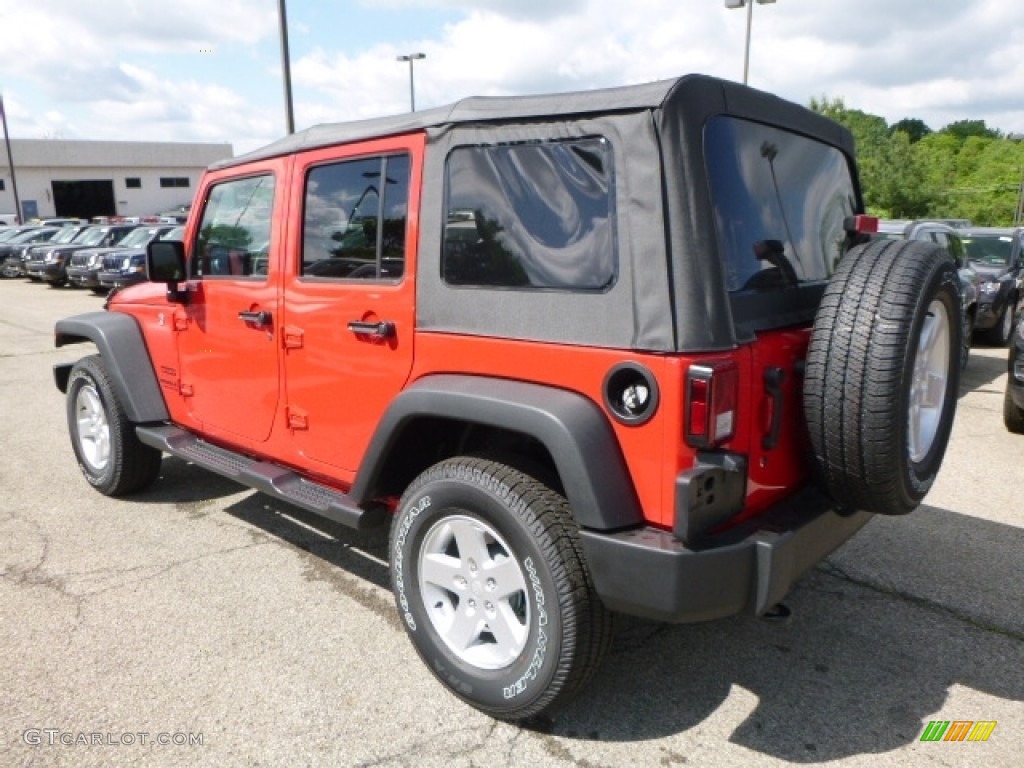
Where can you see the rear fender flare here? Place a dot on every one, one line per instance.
(573, 429)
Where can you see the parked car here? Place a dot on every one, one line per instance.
(949, 238)
(64, 236)
(997, 254)
(50, 265)
(1013, 401)
(123, 268)
(12, 249)
(85, 266)
(661, 370)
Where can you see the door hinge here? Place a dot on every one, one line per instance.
(181, 322)
(297, 419)
(292, 337)
(186, 390)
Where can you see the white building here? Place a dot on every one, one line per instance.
(83, 179)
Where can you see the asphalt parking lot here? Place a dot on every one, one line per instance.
(245, 633)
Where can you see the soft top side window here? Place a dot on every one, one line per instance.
(779, 200)
(234, 235)
(536, 215)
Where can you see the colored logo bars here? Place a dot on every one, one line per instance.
(958, 730)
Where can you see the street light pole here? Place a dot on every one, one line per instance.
(750, 21)
(411, 57)
(19, 218)
(286, 67)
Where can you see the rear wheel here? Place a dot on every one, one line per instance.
(492, 588)
(882, 374)
(109, 453)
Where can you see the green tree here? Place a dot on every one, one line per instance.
(892, 178)
(965, 129)
(913, 127)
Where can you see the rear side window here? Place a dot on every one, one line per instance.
(355, 219)
(234, 236)
(530, 216)
(779, 202)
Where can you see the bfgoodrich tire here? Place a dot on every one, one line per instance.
(492, 588)
(109, 453)
(882, 374)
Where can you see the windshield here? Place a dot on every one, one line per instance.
(139, 236)
(92, 236)
(989, 249)
(66, 235)
(7, 234)
(178, 233)
(31, 236)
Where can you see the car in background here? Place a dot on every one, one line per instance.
(63, 236)
(125, 267)
(997, 254)
(949, 238)
(11, 250)
(50, 265)
(85, 266)
(1013, 402)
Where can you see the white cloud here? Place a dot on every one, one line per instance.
(940, 60)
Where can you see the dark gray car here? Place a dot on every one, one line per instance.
(997, 254)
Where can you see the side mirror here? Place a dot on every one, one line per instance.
(165, 263)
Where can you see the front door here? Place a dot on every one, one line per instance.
(228, 343)
(349, 296)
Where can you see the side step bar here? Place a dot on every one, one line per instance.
(268, 478)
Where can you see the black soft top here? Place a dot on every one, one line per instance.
(690, 93)
(670, 289)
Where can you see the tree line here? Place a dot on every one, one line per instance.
(964, 170)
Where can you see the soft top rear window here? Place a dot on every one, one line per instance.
(779, 200)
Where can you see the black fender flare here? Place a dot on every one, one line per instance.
(573, 429)
(119, 340)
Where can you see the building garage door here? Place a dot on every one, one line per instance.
(84, 199)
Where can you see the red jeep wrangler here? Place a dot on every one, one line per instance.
(620, 351)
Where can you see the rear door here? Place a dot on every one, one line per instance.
(349, 294)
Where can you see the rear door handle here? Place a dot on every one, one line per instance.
(262, 317)
(384, 329)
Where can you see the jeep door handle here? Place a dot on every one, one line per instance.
(384, 329)
(256, 318)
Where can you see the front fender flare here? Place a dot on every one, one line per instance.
(119, 340)
(575, 431)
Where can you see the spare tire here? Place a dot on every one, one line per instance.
(882, 374)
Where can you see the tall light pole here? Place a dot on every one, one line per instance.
(411, 57)
(750, 19)
(286, 67)
(19, 218)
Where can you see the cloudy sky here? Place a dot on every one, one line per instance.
(210, 70)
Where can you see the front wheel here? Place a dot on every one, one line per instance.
(1001, 333)
(110, 455)
(1013, 414)
(492, 588)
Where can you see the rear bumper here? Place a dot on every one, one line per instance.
(650, 573)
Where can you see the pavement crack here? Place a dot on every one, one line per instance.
(888, 590)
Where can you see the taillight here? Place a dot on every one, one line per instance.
(861, 224)
(711, 397)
